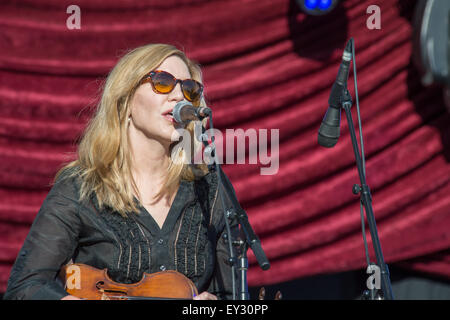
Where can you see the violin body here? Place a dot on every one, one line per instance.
(90, 283)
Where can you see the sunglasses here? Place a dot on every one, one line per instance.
(164, 82)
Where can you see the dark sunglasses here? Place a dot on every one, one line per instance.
(164, 82)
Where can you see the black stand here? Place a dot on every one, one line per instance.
(366, 200)
(242, 268)
(236, 212)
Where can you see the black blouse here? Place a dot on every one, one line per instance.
(192, 241)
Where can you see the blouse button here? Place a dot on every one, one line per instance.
(162, 268)
(160, 241)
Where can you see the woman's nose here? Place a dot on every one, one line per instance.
(177, 93)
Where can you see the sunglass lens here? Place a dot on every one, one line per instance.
(163, 82)
(191, 90)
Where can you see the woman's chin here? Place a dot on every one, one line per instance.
(171, 135)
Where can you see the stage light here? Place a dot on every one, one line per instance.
(317, 7)
(311, 4)
(324, 4)
(431, 43)
(431, 39)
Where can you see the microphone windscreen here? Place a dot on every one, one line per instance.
(329, 130)
(177, 110)
(327, 141)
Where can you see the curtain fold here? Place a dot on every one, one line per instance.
(266, 65)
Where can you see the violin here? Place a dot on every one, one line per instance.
(86, 282)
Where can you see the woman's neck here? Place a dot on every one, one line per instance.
(150, 157)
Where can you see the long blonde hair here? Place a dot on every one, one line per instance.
(103, 157)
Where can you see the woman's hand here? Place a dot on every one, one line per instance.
(205, 296)
(69, 297)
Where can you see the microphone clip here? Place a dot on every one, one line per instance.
(346, 99)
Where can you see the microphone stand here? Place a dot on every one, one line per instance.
(366, 199)
(236, 212)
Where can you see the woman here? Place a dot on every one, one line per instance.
(128, 203)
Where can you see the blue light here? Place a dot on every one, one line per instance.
(311, 4)
(324, 4)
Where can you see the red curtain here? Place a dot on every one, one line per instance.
(268, 66)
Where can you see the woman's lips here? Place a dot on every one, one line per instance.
(168, 116)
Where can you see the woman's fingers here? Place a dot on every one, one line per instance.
(205, 296)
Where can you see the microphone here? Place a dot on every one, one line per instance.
(184, 112)
(329, 130)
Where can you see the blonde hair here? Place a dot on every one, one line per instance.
(104, 157)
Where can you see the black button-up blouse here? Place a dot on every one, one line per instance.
(192, 241)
